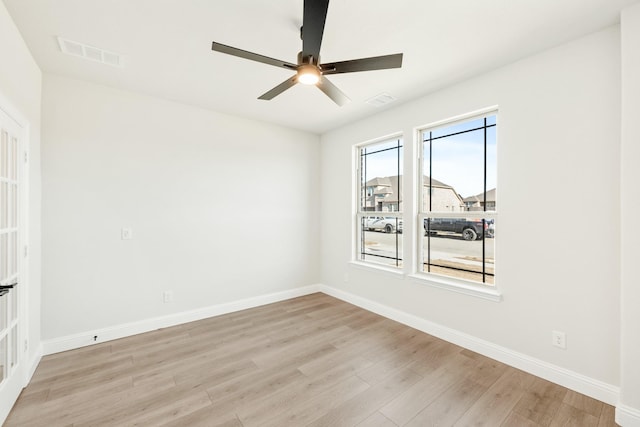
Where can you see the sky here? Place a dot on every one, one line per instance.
(457, 160)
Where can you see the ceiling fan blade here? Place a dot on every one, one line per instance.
(333, 92)
(279, 89)
(364, 64)
(315, 15)
(219, 47)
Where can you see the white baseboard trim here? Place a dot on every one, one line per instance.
(591, 387)
(11, 395)
(607, 393)
(627, 416)
(83, 339)
(33, 365)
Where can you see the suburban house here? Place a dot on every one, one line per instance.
(443, 198)
(477, 202)
(382, 195)
(179, 238)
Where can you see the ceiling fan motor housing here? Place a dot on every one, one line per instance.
(307, 60)
(308, 69)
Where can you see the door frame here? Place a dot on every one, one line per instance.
(12, 387)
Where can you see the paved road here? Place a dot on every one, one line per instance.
(449, 248)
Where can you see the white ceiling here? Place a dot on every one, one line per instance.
(166, 46)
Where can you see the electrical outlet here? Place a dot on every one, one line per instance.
(559, 339)
(167, 296)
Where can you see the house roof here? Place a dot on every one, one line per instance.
(435, 183)
(379, 182)
(491, 197)
(391, 182)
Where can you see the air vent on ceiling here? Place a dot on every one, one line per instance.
(380, 100)
(90, 52)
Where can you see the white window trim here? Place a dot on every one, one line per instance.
(467, 287)
(358, 214)
(370, 266)
(457, 285)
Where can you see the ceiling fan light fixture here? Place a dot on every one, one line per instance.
(309, 70)
(308, 74)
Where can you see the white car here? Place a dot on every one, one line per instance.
(383, 223)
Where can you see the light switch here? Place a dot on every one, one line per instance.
(127, 234)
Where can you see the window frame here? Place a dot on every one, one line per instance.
(466, 286)
(360, 214)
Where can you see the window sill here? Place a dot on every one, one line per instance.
(477, 291)
(397, 273)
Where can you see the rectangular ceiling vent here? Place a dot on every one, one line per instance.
(90, 52)
(380, 100)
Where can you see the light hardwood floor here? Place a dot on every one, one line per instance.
(313, 360)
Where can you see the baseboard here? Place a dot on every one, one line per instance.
(607, 393)
(33, 364)
(582, 384)
(627, 416)
(83, 339)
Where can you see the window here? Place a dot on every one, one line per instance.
(379, 209)
(457, 200)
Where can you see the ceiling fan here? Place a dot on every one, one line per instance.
(308, 70)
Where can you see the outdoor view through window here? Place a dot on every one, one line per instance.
(380, 203)
(458, 200)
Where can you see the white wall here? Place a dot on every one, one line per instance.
(630, 195)
(20, 86)
(221, 208)
(557, 263)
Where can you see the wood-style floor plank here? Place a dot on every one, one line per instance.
(308, 361)
(357, 409)
(541, 402)
(377, 420)
(494, 406)
(450, 405)
(312, 407)
(412, 400)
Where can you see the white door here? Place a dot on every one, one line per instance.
(11, 292)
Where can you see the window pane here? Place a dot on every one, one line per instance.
(4, 154)
(3, 358)
(4, 256)
(12, 301)
(380, 186)
(13, 203)
(492, 160)
(4, 204)
(14, 159)
(4, 306)
(14, 346)
(460, 247)
(381, 240)
(381, 177)
(458, 127)
(454, 167)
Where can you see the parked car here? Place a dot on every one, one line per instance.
(491, 231)
(383, 223)
(469, 229)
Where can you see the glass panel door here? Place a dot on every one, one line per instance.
(11, 379)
